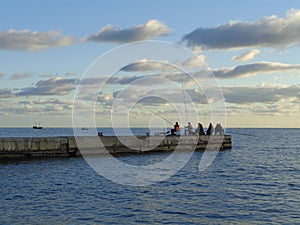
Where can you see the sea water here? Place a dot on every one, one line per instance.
(257, 182)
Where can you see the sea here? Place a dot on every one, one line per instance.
(256, 182)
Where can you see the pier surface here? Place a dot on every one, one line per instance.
(42, 147)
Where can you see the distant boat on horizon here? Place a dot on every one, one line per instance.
(35, 126)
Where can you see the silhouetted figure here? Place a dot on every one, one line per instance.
(189, 129)
(210, 130)
(200, 130)
(176, 129)
(219, 130)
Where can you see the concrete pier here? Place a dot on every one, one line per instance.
(42, 147)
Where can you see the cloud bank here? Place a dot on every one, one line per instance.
(262, 94)
(6, 93)
(53, 86)
(110, 33)
(253, 69)
(270, 31)
(32, 40)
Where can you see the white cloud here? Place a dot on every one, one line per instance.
(246, 56)
(197, 61)
(270, 31)
(32, 40)
(110, 33)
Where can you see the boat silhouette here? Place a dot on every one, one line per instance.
(35, 126)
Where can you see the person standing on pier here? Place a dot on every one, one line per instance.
(189, 129)
(210, 129)
(200, 130)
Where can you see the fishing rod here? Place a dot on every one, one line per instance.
(160, 116)
(183, 92)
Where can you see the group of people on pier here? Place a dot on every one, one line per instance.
(188, 130)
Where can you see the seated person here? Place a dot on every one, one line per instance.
(175, 131)
(219, 130)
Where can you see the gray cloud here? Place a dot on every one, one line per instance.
(147, 65)
(151, 29)
(264, 100)
(248, 95)
(53, 86)
(263, 94)
(1, 75)
(20, 108)
(20, 76)
(253, 69)
(6, 93)
(73, 74)
(271, 31)
(52, 101)
(32, 40)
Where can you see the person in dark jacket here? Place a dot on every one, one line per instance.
(200, 130)
(176, 129)
(210, 130)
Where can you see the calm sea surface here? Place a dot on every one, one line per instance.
(257, 182)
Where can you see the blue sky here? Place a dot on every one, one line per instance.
(251, 46)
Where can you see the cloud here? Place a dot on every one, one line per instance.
(270, 31)
(246, 56)
(71, 74)
(53, 86)
(147, 65)
(6, 93)
(158, 97)
(261, 94)
(33, 40)
(1, 75)
(253, 69)
(110, 33)
(20, 76)
(264, 94)
(52, 101)
(26, 108)
(194, 61)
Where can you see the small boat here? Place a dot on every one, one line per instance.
(84, 128)
(35, 126)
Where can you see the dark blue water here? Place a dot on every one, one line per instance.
(257, 182)
(57, 132)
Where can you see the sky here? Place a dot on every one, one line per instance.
(252, 48)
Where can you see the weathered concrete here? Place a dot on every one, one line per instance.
(68, 146)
